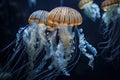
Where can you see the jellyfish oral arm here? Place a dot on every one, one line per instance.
(84, 45)
(60, 61)
(52, 39)
(62, 54)
(66, 36)
(91, 48)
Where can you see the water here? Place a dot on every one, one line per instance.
(12, 17)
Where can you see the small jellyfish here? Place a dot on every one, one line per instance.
(90, 9)
(111, 29)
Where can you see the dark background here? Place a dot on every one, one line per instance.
(15, 13)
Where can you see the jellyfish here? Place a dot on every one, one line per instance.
(90, 9)
(110, 29)
(66, 18)
(37, 44)
(31, 40)
(34, 36)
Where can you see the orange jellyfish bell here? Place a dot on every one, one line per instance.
(82, 3)
(108, 3)
(65, 16)
(40, 17)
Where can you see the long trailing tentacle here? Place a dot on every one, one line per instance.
(11, 66)
(113, 40)
(19, 45)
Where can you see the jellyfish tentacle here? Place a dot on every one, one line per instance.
(20, 57)
(17, 48)
(49, 75)
(9, 45)
(37, 69)
(113, 56)
(17, 51)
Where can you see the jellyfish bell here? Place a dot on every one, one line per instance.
(69, 16)
(38, 17)
(83, 3)
(91, 9)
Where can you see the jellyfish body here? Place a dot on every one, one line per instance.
(111, 30)
(90, 9)
(65, 18)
